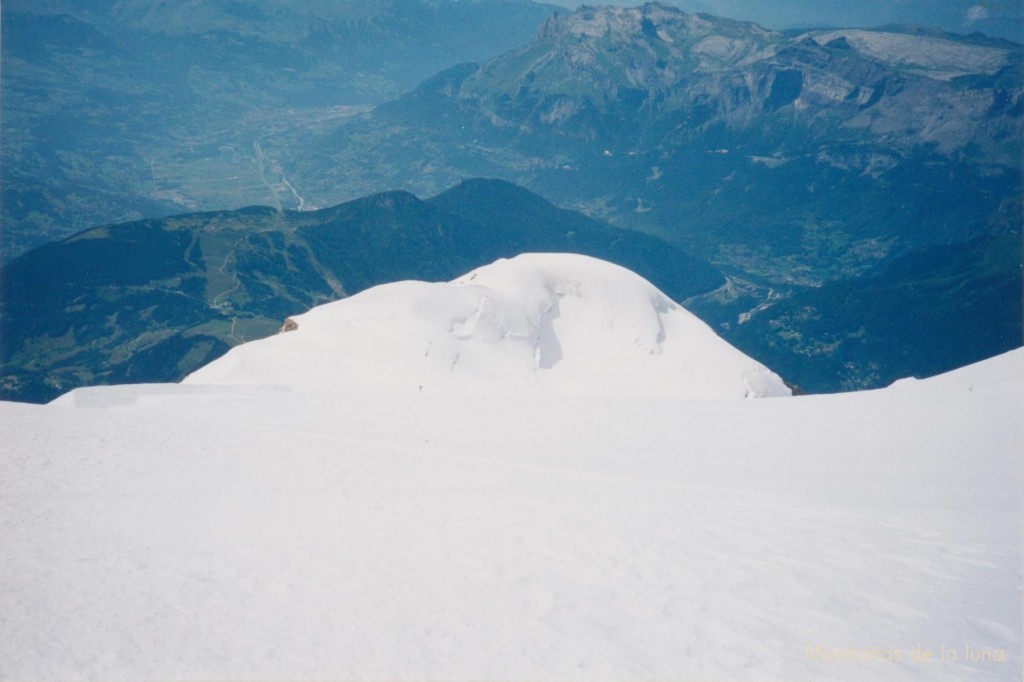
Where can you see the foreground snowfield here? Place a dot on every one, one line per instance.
(280, 532)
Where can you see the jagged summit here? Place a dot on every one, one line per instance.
(604, 50)
(558, 323)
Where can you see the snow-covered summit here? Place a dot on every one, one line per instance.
(559, 323)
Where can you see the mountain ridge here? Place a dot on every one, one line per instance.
(152, 300)
(721, 135)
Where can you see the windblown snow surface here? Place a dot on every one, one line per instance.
(551, 323)
(259, 523)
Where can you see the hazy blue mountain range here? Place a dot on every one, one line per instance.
(790, 161)
(154, 300)
(839, 179)
(119, 110)
(997, 18)
(796, 159)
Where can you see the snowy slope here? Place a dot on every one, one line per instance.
(922, 55)
(557, 323)
(291, 531)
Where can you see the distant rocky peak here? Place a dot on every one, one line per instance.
(703, 41)
(617, 22)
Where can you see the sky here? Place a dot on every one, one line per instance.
(1001, 18)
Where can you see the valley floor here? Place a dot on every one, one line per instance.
(189, 532)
